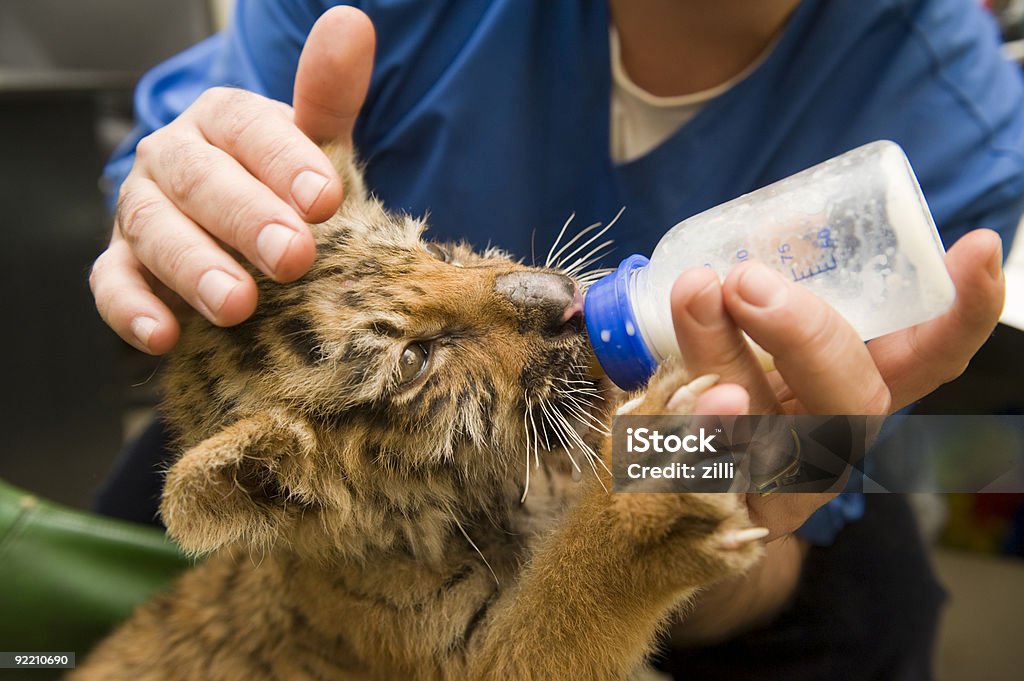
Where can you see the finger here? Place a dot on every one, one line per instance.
(212, 189)
(784, 513)
(183, 256)
(262, 136)
(333, 75)
(711, 343)
(916, 361)
(717, 405)
(127, 304)
(816, 351)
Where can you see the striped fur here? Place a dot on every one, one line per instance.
(362, 527)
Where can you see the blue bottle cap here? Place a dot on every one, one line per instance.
(613, 329)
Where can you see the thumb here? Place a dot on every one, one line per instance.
(334, 74)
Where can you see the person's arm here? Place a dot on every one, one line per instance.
(744, 602)
(235, 167)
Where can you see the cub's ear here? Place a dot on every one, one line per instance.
(361, 215)
(345, 161)
(232, 487)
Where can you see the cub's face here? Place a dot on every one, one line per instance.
(404, 356)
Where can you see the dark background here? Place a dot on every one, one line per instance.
(67, 68)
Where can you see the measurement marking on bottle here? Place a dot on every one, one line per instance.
(816, 269)
(825, 238)
(784, 256)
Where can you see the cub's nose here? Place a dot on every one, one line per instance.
(546, 302)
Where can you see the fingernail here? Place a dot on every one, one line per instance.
(762, 287)
(995, 263)
(706, 305)
(214, 288)
(306, 188)
(272, 243)
(142, 329)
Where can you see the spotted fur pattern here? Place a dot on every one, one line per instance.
(367, 522)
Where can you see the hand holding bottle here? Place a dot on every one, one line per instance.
(822, 365)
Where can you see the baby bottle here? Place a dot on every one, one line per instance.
(855, 230)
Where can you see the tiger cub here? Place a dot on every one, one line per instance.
(397, 471)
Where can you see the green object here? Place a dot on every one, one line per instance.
(67, 577)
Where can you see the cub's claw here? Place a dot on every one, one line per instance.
(730, 540)
(628, 407)
(684, 400)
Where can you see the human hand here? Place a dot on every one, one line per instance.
(822, 366)
(235, 171)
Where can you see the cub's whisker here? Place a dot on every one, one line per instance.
(588, 452)
(526, 484)
(473, 544)
(558, 258)
(588, 259)
(561, 261)
(587, 419)
(550, 258)
(565, 445)
(536, 438)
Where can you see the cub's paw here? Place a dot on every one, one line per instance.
(735, 544)
(693, 539)
(669, 392)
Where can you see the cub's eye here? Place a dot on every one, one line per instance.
(414, 359)
(438, 252)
